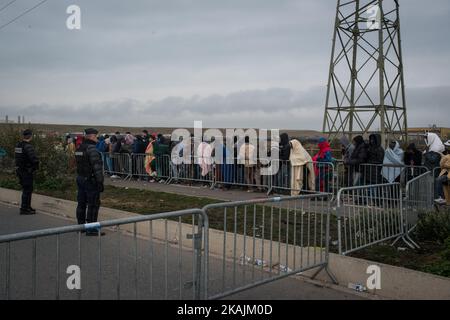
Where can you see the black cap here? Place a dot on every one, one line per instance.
(27, 133)
(90, 131)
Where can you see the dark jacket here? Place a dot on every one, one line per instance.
(89, 162)
(375, 157)
(432, 160)
(413, 157)
(285, 147)
(139, 146)
(26, 158)
(359, 155)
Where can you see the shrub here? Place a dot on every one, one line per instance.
(434, 227)
(53, 158)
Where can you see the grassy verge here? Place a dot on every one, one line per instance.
(431, 258)
(132, 200)
(304, 226)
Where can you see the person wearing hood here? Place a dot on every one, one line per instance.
(358, 157)
(284, 171)
(322, 166)
(347, 148)
(375, 158)
(444, 177)
(393, 163)
(204, 155)
(300, 160)
(413, 158)
(433, 154)
(347, 151)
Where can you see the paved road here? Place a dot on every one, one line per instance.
(148, 277)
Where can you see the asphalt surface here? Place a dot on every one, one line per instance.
(158, 271)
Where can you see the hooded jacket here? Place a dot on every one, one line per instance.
(347, 149)
(413, 157)
(359, 155)
(393, 157)
(299, 156)
(285, 147)
(434, 143)
(375, 158)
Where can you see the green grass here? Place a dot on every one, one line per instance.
(132, 200)
(432, 257)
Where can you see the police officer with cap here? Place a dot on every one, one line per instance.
(27, 163)
(89, 180)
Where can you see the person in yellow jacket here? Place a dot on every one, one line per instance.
(444, 176)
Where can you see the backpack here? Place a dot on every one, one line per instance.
(102, 146)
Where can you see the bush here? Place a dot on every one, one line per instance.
(434, 227)
(50, 150)
(442, 267)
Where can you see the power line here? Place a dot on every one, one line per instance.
(22, 14)
(7, 5)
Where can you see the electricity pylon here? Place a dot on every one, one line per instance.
(366, 91)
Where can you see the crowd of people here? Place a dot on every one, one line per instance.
(367, 163)
(364, 162)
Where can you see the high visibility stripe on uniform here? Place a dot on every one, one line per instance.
(18, 150)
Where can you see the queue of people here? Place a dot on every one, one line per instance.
(365, 162)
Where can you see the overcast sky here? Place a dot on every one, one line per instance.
(233, 63)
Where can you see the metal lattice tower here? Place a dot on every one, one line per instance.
(366, 91)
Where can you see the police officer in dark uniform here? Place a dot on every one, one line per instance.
(89, 180)
(27, 163)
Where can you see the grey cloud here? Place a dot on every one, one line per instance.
(236, 62)
(272, 108)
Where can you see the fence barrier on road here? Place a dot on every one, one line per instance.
(419, 200)
(368, 215)
(372, 174)
(160, 167)
(130, 269)
(118, 164)
(239, 174)
(265, 240)
(197, 170)
(230, 247)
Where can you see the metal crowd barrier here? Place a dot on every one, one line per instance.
(265, 240)
(161, 167)
(323, 182)
(371, 174)
(118, 164)
(148, 258)
(368, 215)
(193, 172)
(237, 174)
(419, 200)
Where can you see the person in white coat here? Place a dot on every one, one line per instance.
(393, 162)
(299, 159)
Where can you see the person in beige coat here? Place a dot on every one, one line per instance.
(300, 158)
(444, 176)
